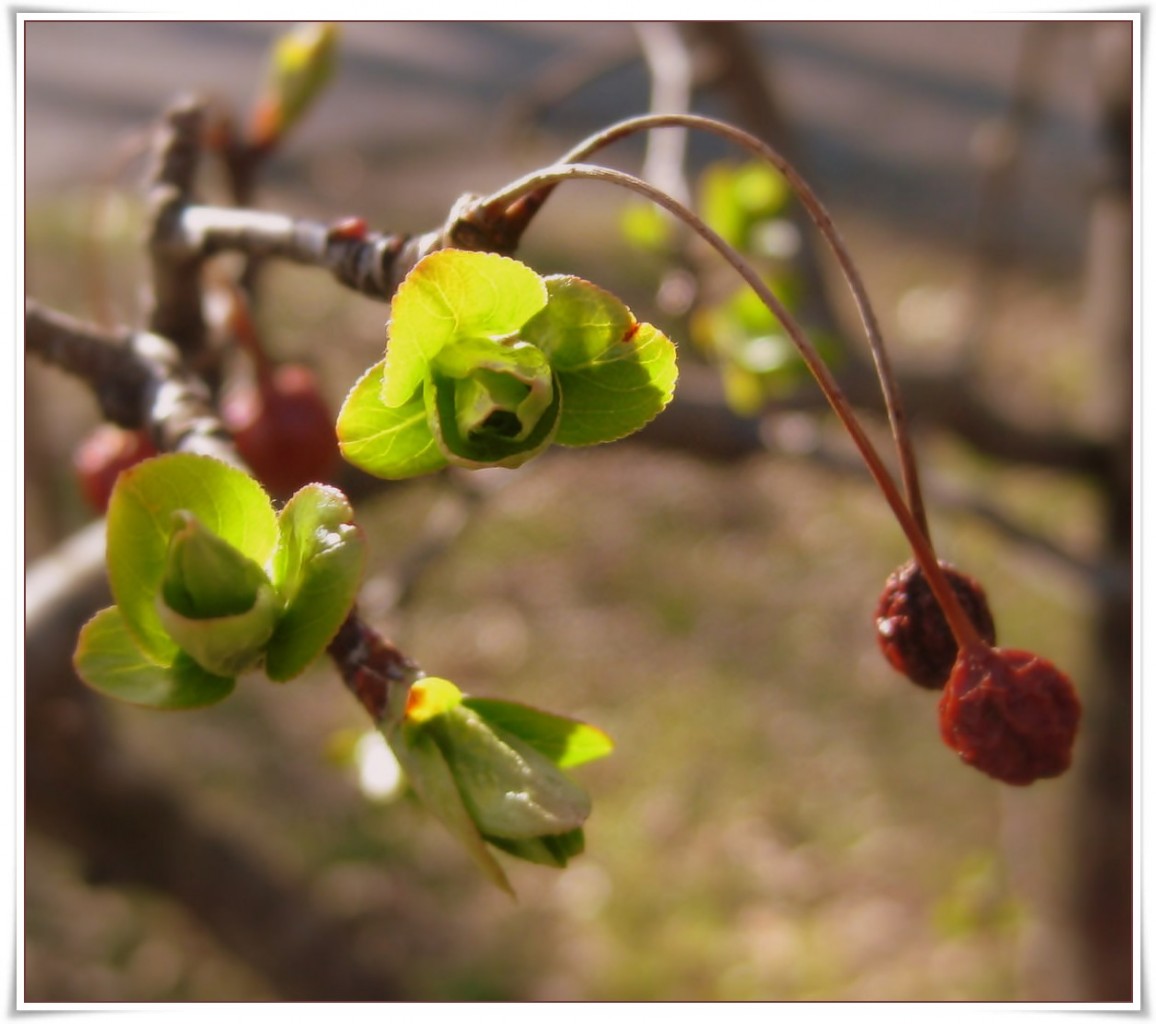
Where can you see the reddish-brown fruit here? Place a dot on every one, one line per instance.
(103, 455)
(284, 430)
(912, 630)
(1011, 714)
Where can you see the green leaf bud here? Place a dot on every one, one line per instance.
(205, 577)
(217, 604)
(492, 402)
(301, 64)
(490, 771)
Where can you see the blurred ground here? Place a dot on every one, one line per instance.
(780, 820)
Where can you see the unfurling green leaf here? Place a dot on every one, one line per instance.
(216, 604)
(490, 771)
(453, 296)
(488, 364)
(317, 568)
(224, 500)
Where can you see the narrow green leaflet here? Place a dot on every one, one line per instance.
(565, 741)
(425, 766)
(453, 294)
(393, 443)
(224, 500)
(317, 568)
(552, 851)
(109, 660)
(511, 789)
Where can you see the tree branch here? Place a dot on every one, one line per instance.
(139, 380)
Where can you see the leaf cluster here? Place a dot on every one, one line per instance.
(209, 581)
(488, 363)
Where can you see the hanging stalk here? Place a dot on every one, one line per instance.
(826, 227)
(965, 633)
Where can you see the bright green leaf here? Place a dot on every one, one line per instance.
(453, 294)
(620, 391)
(317, 569)
(393, 443)
(565, 741)
(225, 500)
(580, 323)
(109, 660)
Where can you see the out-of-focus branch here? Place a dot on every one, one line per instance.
(1000, 145)
(1100, 892)
(671, 87)
(176, 289)
(562, 78)
(139, 380)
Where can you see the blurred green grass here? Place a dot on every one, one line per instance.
(780, 820)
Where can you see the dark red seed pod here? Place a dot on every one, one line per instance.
(284, 430)
(103, 456)
(912, 630)
(1011, 714)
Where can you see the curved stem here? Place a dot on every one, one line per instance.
(965, 633)
(826, 227)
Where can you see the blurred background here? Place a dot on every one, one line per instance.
(780, 820)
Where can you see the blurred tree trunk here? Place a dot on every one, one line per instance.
(1102, 897)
